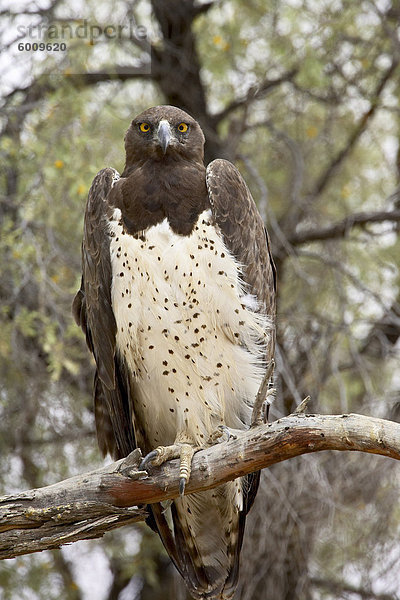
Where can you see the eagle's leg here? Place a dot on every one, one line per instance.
(261, 403)
(182, 450)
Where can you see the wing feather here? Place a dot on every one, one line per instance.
(93, 311)
(235, 213)
(242, 227)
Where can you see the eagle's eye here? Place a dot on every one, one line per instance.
(144, 127)
(182, 127)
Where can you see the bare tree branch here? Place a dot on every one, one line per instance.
(338, 159)
(341, 587)
(86, 506)
(254, 93)
(342, 228)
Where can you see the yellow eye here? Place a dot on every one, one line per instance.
(144, 127)
(182, 127)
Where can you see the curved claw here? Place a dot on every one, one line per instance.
(147, 460)
(225, 431)
(182, 485)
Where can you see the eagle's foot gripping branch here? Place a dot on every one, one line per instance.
(160, 455)
(221, 434)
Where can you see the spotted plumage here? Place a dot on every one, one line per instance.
(177, 303)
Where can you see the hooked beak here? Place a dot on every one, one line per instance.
(164, 135)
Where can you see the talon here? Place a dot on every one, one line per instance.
(225, 431)
(162, 454)
(182, 485)
(148, 459)
(222, 431)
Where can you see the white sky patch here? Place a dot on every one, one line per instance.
(90, 567)
(90, 564)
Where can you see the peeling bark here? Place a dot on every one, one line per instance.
(89, 505)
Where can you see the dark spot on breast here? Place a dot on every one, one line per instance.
(151, 347)
(170, 351)
(172, 410)
(219, 365)
(176, 338)
(130, 305)
(121, 274)
(165, 372)
(187, 356)
(165, 363)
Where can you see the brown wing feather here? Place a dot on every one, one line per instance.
(93, 312)
(236, 214)
(245, 235)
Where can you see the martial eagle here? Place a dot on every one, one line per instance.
(177, 302)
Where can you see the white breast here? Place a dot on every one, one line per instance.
(187, 330)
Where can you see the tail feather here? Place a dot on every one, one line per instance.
(207, 536)
(206, 539)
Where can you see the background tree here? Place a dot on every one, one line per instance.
(303, 96)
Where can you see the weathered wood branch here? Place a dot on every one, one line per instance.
(343, 227)
(88, 505)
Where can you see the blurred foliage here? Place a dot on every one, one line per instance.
(318, 145)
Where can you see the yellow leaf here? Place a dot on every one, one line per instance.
(312, 131)
(345, 191)
(58, 164)
(81, 189)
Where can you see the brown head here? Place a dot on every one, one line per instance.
(164, 133)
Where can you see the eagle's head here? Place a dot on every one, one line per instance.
(162, 133)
